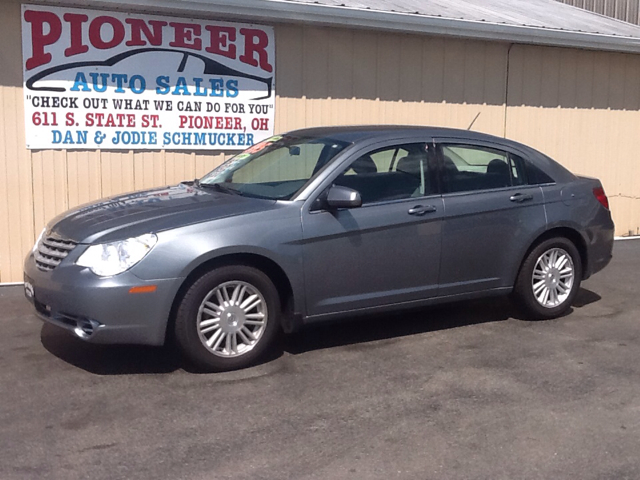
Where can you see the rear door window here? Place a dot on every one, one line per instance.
(473, 167)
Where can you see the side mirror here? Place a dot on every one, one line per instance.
(343, 197)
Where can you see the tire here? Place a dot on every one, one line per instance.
(562, 286)
(232, 302)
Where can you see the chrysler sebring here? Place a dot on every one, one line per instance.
(320, 224)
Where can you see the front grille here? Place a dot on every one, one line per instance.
(51, 251)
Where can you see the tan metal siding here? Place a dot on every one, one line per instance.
(16, 199)
(84, 176)
(582, 108)
(333, 77)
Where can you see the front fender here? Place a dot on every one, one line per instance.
(275, 235)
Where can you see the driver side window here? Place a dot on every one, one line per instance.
(390, 173)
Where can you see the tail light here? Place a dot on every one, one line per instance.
(601, 197)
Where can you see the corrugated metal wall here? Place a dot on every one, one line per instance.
(16, 186)
(583, 109)
(626, 10)
(334, 76)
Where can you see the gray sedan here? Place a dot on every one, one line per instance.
(319, 224)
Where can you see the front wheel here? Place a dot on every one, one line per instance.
(549, 278)
(228, 318)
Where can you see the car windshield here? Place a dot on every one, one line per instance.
(276, 168)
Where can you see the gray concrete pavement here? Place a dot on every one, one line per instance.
(456, 392)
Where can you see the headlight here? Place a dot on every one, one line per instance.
(35, 247)
(110, 259)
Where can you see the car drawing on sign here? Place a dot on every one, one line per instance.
(156, 61)
(315, 225)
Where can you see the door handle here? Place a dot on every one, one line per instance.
(421, 210)
(520, 197)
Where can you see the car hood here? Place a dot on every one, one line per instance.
(134, 214)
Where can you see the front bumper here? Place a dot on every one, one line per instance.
(100, 310)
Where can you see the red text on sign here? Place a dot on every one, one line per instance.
(249, 45)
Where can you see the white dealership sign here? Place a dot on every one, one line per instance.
(112, 80)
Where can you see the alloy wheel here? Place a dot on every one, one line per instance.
(553, 277)
(232, 319)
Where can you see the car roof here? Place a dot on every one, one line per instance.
(355, 133)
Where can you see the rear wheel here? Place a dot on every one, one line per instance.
(228, 319)
(549, 278)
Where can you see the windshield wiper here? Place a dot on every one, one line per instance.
(219, 188)
(195, 182)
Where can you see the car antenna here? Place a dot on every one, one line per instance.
(473, 121)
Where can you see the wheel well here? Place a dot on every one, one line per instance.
(569, 234)
(264, 264)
